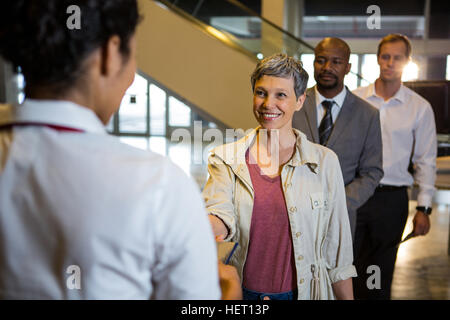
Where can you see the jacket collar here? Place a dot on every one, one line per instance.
(233, 154)
(343, 119)
(338, 99)
(311, 113)
(341, 122)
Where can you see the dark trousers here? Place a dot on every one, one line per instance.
(379, 227)
(255, 295)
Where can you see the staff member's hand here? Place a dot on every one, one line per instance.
(421, 224)
(229, 282)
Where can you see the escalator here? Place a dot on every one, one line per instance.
(208, 59)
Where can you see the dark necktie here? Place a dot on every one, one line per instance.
(326, 125)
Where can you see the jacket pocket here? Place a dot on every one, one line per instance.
(317, 200)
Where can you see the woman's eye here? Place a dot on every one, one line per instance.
(259, 93)
(281, 95)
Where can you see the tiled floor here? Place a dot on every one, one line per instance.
(423, 264)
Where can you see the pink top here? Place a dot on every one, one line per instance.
(270, 264)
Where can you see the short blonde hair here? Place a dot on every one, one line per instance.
(394, 37)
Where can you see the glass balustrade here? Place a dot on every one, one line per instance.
(238, 25)
(235, 24)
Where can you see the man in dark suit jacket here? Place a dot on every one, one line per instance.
(343, 122)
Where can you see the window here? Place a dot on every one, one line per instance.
(447, 76)
(21, 86)
(369, 69)
(157, 111)
(133, 109)
(308, 64)
(410, 72)
(351, 79)
(150, 110)
(179, 113)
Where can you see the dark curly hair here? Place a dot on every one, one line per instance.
(34, 36)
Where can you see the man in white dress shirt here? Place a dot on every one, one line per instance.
(83, 216)
(409, 155)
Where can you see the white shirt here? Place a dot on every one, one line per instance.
(131, 221)
(408, 131)
(336, 107)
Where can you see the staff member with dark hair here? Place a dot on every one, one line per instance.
(282, 198)
(83, 216)
(409, 135)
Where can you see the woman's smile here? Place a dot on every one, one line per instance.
(269, 116)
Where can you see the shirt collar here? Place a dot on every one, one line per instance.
(304, 153)
(400, 95)
(53, 112)
(338, 99)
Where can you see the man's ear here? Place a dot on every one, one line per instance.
(111, 61)
(349, 67)
(300, 101)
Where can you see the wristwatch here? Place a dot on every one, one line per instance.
(426, 210)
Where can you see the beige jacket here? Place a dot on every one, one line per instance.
(315, 199)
